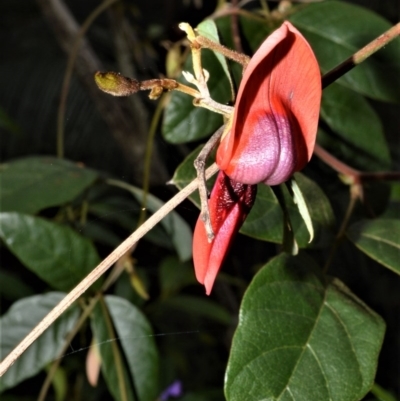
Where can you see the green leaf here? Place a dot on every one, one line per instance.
(379, 239)
(255, 30)
(208, 29)
(137, 341)
(195, 306)
(186, 173)
(350, 116)
(336, 30)
(265, 221)
(19, 320)
(299, 200)
(174, 275)
(185, 123)
(320, 209)
(13, 287)
(175, 226)
(302, 338)
(31, 184)
(123, 212)
(113, 365)
(56, 253)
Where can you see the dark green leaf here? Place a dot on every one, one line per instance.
(56, 253)
(185, 123)
(336, 30)
(255, 30)
(35, 183)
(175, 226)
(350, 116)
(195, 306)
(379, 239)
(186, 173)
(125, 213)
(115, 371)
(264, 222)
(137, 341)
(12, 287)
(175, 275)
(20, 319)
(302, 338)
(321, 212)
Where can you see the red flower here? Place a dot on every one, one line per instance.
(229, 204)
(272, 136)
(276, 113)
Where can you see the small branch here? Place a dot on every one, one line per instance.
(356, 192)
(200, 165)
(357, 176)
(206, 43)
(235, 29)
(97, 272)
(361, 55)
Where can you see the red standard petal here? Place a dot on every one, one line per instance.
(276, 114)
(229, 204)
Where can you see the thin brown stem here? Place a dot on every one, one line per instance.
(235, 29)
(98, 271)
(356, 176)
(356, 192)
(225, 51)
(200, 165)
(361, 55)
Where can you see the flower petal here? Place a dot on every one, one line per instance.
(229, 204)
(276, 115)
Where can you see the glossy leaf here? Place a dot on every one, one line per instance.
(137, 341)
(113, 366)
(31, 184)
(185, 123)
(349, 115)
(175, 226)
(379, 239)
(336, 30)
(19, 320)
(302, 338)
(56, 253)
